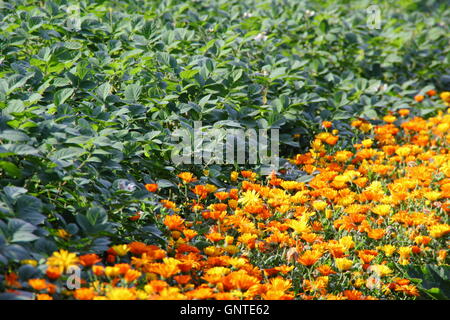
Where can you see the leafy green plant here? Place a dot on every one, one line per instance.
(432, 280)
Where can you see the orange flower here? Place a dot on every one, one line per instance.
(309, 257)
(53, 272)
(389, 118)
(189, 234)
(38, 284)
(239, 280)
(431, 92)
(182, 279)
(132, 275)
(88, 260)
(327, 124)
(376, 234)
(151, 187)
(43, 296)
(222, 195)
(98, 270)
(174, 222)
(325, 270)
(84, 294)
(187, 177)
(201, 191)
(367, 255)
(332, 140)
(419, 98)
(168, 268)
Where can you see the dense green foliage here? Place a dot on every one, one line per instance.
(87, 113)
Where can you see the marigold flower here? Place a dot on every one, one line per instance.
(381, 209)
(63, 260)
(327, 124)
(309, 257)
(53, 273)
(403, 112)
(187, 177)
(84, 294)
(151, 187)
(174, 222)
(131, 275)
(234, 176)
(88, 260)
(121, 249)
(38, 284)
(319, 205)
(120, 294)
(343, 264)
(419, 98)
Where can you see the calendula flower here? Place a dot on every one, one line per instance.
(174, 222)
(343, 264)
(116, 293)
(121, 249)
(389, 249)
(187, 177)
(419, 97)
(381, 209)
(84, 294)
(381, 270)
(309, 257)
(38, 284)
(63, 260)
(319, 205)
(151, 187)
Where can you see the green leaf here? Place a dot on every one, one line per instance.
(68, 153)
(10, 168)
(62, 95)
(132, 92)
(103, 91)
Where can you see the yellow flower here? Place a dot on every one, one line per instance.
(112, 272)
(380, 269)
(446, 97)
(365, 127)
(381, 209)
(299, 226)
(120, 294)
(347, 242)
(62, 259)
(439, 230)
(343, 264)
(432, 195)
(388, 249)
(404, 252)
(234, 175)
(213, 251)
(231, 249)
(319, 205)
(121, 249)
(403, 151)
(250, 198)
(367, 143)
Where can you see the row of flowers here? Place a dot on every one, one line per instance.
(347, 233)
